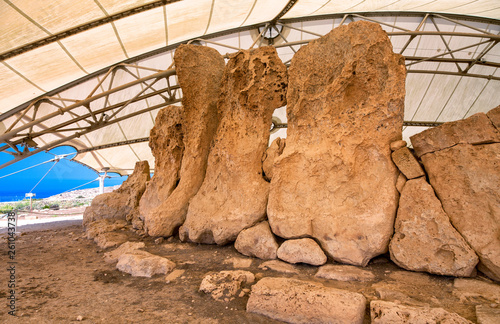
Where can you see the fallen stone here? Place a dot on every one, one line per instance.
(110, 239)
(335, 180)
(257, 241)
(400, 182)
(494, 116)
(273, 151)
(278, 266)
(167, 146)
(416, 279)
(397, 145)
(127, 247)
(239, 262)
(487, 315)
(407, 163)
(477, 129)
(424, 239)
(226, 285)
(176, 273)
(199, 70)
(118, 204)
(466, 179)
(344, 273)
(144, 264)
(102, 226)
(303, 250)
(478, 289)
(296, 301)
(234, 194)
(385, 312)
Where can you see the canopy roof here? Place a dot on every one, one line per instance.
(94, 73)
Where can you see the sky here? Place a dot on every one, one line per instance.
(63, 176)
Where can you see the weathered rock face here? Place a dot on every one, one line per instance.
(121, 202)
(494, 116)
(167, 146)
(127, 247)
(335, 180)
(257, 241)
(384, 312)
(296, 301)
(234, 193)
(143, 264)
(199, 70)
(273, 151)
(407, 163)
(226, 285)
(424, 238)
(466, 179)
(303, 250)
(477, 129)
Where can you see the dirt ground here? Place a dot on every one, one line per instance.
(61, 277)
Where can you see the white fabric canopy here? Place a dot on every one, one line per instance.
(64, 48)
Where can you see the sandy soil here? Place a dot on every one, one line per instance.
(61, 277)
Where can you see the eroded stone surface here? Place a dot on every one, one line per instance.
(407, 163)
(479, 289)
(118, 204)
(477, 129)
(144, 264)
(424, 238)
(257, 241)
(110, 239)
(466, 179)
(487, 315)
(280, 266)
(199, 70)
(494, 116)
(398, 144)
(104, 225)
(385, 312)
(335, 180)
(273, 151)
(400, 182)
(225, 285)
(303, 250)
(113, 256)
(234, 194)
(344, 273)
(296, 301)
(167, 146)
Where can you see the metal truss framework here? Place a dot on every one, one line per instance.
(20, 136)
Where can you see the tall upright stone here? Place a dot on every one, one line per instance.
(462, 159)
(234, 193)
(124, 201)
(167, 146)
(335, 180)
(199, 70)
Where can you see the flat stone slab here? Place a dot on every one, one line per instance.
(486, 314)
(473, 288)
(384, 312)
(279, 266)
(297, 301)
(344, 273)
(407, 163)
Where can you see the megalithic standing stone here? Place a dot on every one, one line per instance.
(199, 70)
(234, 193)
(167, 145)
(335, 180)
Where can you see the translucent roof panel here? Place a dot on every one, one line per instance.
(71, 51)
